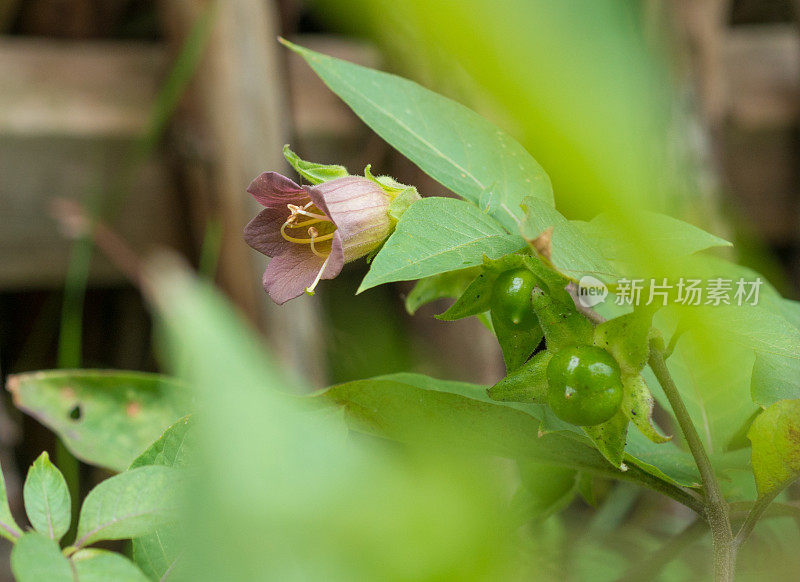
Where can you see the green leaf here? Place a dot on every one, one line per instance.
(527, 384)
(545, 490)
(462, 415)
(452, 144)
(171, 449)
(775, 436)
(313, 173)
(573, 252)
(47, 500)
(92, 565)
(775, 377)
(609, 438)
(637, 404)
(517, 345)
(627, 339)
(660, 231)
(159, 552)
(8, 527)
(451, 284)
(436, 235)
(129, 505)
(105, 418)
(36, 558)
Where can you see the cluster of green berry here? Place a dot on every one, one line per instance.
(584, 382)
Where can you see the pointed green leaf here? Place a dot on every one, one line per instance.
(37, 558)
(637, 404)
(105, 418)
(314, 173)
(527, 384)
(159, 552)
(92, 565)
(8, 527)
(437, 235)
(47, 500)
(775, 436)
(129, 505)
(171, 449)
(444, 285)
(452, 144)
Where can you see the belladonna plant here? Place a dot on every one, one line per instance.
(312, 231)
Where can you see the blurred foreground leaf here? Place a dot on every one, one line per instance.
(281, 496)
(105, 418)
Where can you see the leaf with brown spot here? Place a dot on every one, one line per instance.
(105, 417)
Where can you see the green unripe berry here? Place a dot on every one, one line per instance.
(511, 299)
(584, 386)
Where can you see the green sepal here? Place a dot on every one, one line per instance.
(449, 284)
(402, 195)
(476, 298)
(527, 384)
(561, 322)
(314, 173)
(637, 404)
(516, 345)
(627, 339)
(609, 438)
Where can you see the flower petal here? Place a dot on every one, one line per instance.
(272, 189)
(263, 233)
(360, 210)
(288, 274)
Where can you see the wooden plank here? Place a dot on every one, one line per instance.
(762, 68)
(69, 112)
(87, 89)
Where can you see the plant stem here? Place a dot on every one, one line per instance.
(755, 513)
(716, 508)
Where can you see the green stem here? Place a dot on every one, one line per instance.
(755, 513)
(715, 505)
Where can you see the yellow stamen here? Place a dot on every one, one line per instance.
(302, 241)
(310, 290)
